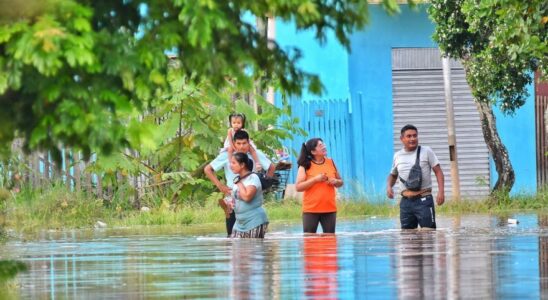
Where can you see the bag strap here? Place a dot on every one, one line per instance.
(417, 160)
(238, 178)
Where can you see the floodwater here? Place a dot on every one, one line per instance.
(468, 257)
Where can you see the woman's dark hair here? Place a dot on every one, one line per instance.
(242, 158)
(236, 115)
(306, 152)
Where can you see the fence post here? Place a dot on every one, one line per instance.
(88, 178)
(46, 166)
(99, 186)
(136, 201)
(66, 157)
(76, 169)
(35, 169)
(120, 182)
(57, 169)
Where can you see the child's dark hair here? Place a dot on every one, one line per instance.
(243, 158)
(236, 115)
(306, 152)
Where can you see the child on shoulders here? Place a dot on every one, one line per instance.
(237, 122)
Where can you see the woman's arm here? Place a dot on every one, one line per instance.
(337, 181)
(246, 193)
(303, 184)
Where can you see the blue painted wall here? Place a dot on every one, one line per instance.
(365, 77)
(329, 61)
(518, 135)
(370, 73)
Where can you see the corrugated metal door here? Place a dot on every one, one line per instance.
(418, 99)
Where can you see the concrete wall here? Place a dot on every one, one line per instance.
(518, 135)
(370, 79)
(329, 61)
(365, 77)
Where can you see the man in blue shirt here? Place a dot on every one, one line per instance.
(241, 143)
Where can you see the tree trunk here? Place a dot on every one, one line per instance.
(506, 176)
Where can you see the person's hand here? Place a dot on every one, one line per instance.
(440, 199)
(225, 189)
(390, 192)
(230, 149)
(332, 181)
(321, 177)
(259, 167)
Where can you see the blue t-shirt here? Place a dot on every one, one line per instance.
(249, 214)
(221, 161)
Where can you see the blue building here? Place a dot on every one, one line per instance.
(393, 77)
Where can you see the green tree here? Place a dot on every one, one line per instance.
(500, 44)
(70, 70)
(181, 132)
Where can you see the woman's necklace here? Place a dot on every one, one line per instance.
(319, 162)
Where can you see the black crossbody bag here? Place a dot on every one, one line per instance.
(414, 180)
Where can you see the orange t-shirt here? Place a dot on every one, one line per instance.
(320, 198)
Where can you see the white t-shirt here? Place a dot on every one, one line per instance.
(249, 214)
(221, 161)
(403, 162)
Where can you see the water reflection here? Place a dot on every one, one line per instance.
(320, 266)
(419, 265)
(252, 261)
(468, 257)
(543, 257)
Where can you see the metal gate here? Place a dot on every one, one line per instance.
(330, 121)
(418, 99)
(541, 104)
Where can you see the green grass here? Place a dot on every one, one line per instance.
(55, 208)
(52, 208)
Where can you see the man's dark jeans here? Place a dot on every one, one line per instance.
(230, 221)
(417, 211)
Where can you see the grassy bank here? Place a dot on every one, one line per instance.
(55, 208)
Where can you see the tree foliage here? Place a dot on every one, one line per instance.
(501, 43)
(71, 70)
(183, 130)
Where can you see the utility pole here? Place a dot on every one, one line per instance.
(455, 180)
(271, 37)
(262, 27)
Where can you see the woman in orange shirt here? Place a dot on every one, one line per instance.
(317, 177)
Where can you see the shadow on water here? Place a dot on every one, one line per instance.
(474, 256)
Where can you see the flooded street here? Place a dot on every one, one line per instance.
(468, 257)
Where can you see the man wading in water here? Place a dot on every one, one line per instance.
(417, 203)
